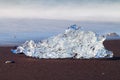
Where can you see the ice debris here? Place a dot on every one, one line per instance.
(112, 36)
(8, 62)
(73, 43)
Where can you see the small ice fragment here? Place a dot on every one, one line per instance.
(7, 62)
(14, 51)
(18, 50)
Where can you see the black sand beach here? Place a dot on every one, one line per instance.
(26, 68)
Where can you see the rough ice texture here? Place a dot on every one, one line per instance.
(73, 43)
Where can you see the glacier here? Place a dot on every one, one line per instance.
(73, 43)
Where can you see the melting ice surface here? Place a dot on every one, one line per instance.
(73, 43)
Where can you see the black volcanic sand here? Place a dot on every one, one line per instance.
(26, 68)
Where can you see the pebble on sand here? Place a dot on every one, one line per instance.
(7, 62)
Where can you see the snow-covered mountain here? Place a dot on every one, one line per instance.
(73, 43)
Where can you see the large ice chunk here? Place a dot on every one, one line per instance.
(73, 43)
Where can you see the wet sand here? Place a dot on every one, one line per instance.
(26, 68)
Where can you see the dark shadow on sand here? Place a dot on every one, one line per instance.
(114, 58)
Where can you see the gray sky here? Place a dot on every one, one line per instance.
(80, 10)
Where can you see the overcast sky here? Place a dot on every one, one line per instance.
(81, 10)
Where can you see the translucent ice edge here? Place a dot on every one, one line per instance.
(73, 43)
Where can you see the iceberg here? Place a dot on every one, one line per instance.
(73, 43)
(112, 36)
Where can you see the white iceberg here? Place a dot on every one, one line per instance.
(112, 36)
(73, 43)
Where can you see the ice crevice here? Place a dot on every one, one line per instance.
(73, 43)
